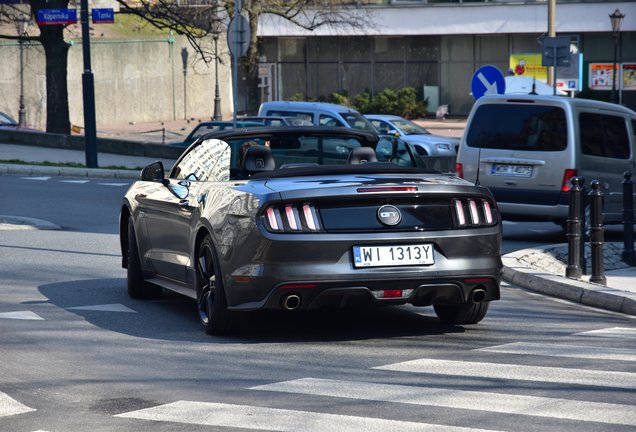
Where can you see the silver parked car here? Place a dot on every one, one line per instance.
(425, 143)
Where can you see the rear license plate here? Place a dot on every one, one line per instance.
(391, 256)
(512, 170)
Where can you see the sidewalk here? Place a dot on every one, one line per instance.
(539, 269)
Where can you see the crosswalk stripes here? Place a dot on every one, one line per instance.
(622, 333)
(281, 420)
(9, 406)
(558, 350)
(461, 399)
(503, 371)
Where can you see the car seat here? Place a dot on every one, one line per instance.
(360, 155)
(258, 159)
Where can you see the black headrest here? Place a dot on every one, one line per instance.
(360, 155)
(257, 159)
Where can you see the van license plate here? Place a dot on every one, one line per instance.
(511, 170)
(389, 256)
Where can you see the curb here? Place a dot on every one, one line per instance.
(37, 170)
(566, 288)
(25, 223)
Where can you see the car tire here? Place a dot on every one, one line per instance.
(137, 286)
(213, 313)
(470, 313)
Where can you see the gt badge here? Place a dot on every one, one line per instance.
(389, 215)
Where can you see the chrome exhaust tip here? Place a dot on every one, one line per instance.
(478, 295)
(291, 302)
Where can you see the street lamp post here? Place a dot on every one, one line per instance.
(23, 23)
(216, 29)
(616, 18)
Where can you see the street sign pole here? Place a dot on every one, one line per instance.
(88, 86)
(237, 11)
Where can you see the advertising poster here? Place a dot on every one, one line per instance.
(629, 76)
(601, 76)
(529, 65)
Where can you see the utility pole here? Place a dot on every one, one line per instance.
(88, 86)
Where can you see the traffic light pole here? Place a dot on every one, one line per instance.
(88, 86)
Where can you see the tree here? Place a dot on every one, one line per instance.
(56, 56)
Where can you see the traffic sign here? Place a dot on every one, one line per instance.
(488, 80)
(238, 36)
(103, 16)
(56, 16)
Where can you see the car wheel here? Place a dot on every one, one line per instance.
(211, 301)
(137, 286)
(462, 314)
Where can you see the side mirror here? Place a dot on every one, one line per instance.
(393, 132)
(153, 172)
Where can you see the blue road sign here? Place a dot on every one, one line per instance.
(103, 16)
(488, 80)
(57, 16)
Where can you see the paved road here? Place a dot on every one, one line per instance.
(78, 354)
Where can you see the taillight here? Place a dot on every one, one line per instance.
(568, 175)
(480, 212)
(292, 218)
(459, 169)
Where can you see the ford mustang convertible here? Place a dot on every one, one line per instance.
(298, 218)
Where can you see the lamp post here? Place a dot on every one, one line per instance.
(616, 18)
(23, 24)
(184, 59)
(216, 29)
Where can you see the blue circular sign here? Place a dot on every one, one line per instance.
(488, 80)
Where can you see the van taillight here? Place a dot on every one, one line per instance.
(568, 175)
(459, 169)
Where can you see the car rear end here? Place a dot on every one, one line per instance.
(335, 240)
(522, 149)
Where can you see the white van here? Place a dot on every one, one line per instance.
(319, 113)
(527, 148)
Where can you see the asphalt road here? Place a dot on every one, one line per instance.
(78, 354)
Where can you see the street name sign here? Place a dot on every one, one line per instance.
(103, 16)
(56, 16)
(488, 80)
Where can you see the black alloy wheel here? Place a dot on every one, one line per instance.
(211, 301)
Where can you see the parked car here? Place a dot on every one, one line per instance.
(279, 120)
(291, 228)
(8, 123)
(319, 113)
(424, 142)
(217, 125)
(527, 148)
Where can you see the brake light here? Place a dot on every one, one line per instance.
(388, 189)
(459, 169)
(568, 175)
(292, 218)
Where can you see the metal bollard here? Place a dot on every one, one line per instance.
(628, 219)
(596, 240)
(573, 269)
(584, 227)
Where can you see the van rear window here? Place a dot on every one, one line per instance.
(518, 127)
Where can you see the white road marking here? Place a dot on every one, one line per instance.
(551, 375)
(275, 419)
(116, 307)
(21, 315)
(36, 178)
(614, 332)
(556, 350)
(75, 181)
(113, 184)
(9, 406)
(458, 399)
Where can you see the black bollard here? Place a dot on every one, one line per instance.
(628, 219)
(573, 269)
(584, 227)
(596, 240)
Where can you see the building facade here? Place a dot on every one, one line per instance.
(436, 47)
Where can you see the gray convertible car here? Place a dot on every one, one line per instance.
(307, 217)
